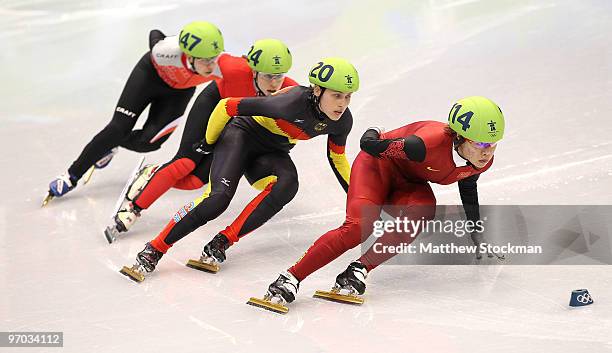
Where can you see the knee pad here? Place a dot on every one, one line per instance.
(189, 182)
(180, 168)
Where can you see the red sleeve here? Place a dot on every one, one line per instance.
(231, 106)
(221, 87)
(237, 77)
(289, 82)
(224, 61)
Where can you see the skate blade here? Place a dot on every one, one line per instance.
(199, 265)
(47, 199)
(88, 174)
(481, 260)
(337, 297)
(499, 257)
(121, 198)
(111, 234)
(268, 305)
(132, 274)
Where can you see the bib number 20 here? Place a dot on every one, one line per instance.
(322, 72)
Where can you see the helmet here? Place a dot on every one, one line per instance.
(478, 119)
(201, 40)
(335, 73)
(269, 56)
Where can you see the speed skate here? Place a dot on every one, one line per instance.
(210, 267)
(88, 174)
(112, 231)
(268, 302)
(135, 273)
(336, 294)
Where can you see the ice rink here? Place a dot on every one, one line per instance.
(547, 64)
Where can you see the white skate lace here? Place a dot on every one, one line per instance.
(291, 283)
(360, 274)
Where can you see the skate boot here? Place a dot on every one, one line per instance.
(60, 186)
(101, 163)
(124, 219)
(349, 286)
(146, 260)
(280, 292)
(212, 255)
(106, 159)
(140, 182)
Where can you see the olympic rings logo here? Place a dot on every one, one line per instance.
(584, 298)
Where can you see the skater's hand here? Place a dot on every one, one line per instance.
(203, 147)
(373, 132)
(478, 239)
(155, 36)
(370, 141)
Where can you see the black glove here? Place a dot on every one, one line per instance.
(203, 147)
(370, 142)
(155, 36)
(477, 239)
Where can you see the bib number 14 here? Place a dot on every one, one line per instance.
(463, 119)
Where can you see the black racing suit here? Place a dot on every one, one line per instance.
(264, 126)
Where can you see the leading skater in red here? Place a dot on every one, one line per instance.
(395, 168)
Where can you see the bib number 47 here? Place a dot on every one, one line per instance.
(185, 37)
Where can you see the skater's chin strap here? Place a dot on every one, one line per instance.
(191, 62)
(316, 101)
(458, 141)
(260, 92)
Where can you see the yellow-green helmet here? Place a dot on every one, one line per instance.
(478, 119)
(335, 73)
(201, 39)
(269, 56)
